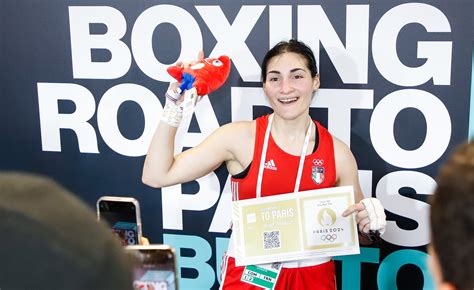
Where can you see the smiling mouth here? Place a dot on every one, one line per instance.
(288, 100)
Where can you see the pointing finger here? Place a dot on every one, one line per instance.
(353, 208)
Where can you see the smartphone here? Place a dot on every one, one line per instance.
(123, 216)
(154, 267)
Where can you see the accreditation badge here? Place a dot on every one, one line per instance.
(264, 276)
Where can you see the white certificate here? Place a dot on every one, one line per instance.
(294, 226)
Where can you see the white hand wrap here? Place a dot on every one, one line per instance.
(178, 107)
(376, 214)
(172, 113)
(173, 94)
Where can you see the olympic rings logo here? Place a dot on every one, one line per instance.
(318, 162)
(329, 238)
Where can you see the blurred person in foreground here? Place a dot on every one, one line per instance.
(452, 222)
(52, 240)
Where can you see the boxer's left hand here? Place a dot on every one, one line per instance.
(370, 215)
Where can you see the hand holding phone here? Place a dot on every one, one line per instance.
(154, 267)
(123, 215)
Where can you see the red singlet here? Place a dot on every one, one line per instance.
(279, 177)
(281, 168)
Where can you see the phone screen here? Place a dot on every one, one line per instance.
(154, 267)
(122, 218)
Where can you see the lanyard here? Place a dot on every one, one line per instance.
(264, 153)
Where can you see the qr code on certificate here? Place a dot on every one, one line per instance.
(271, 240)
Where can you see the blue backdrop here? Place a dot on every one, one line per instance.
(82, 85)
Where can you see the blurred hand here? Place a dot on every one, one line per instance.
(144, 241)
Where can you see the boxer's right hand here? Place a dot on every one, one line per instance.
(174, 93)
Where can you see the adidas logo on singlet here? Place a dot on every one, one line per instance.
(270, 165)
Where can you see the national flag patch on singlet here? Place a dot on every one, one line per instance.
(317, 171)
